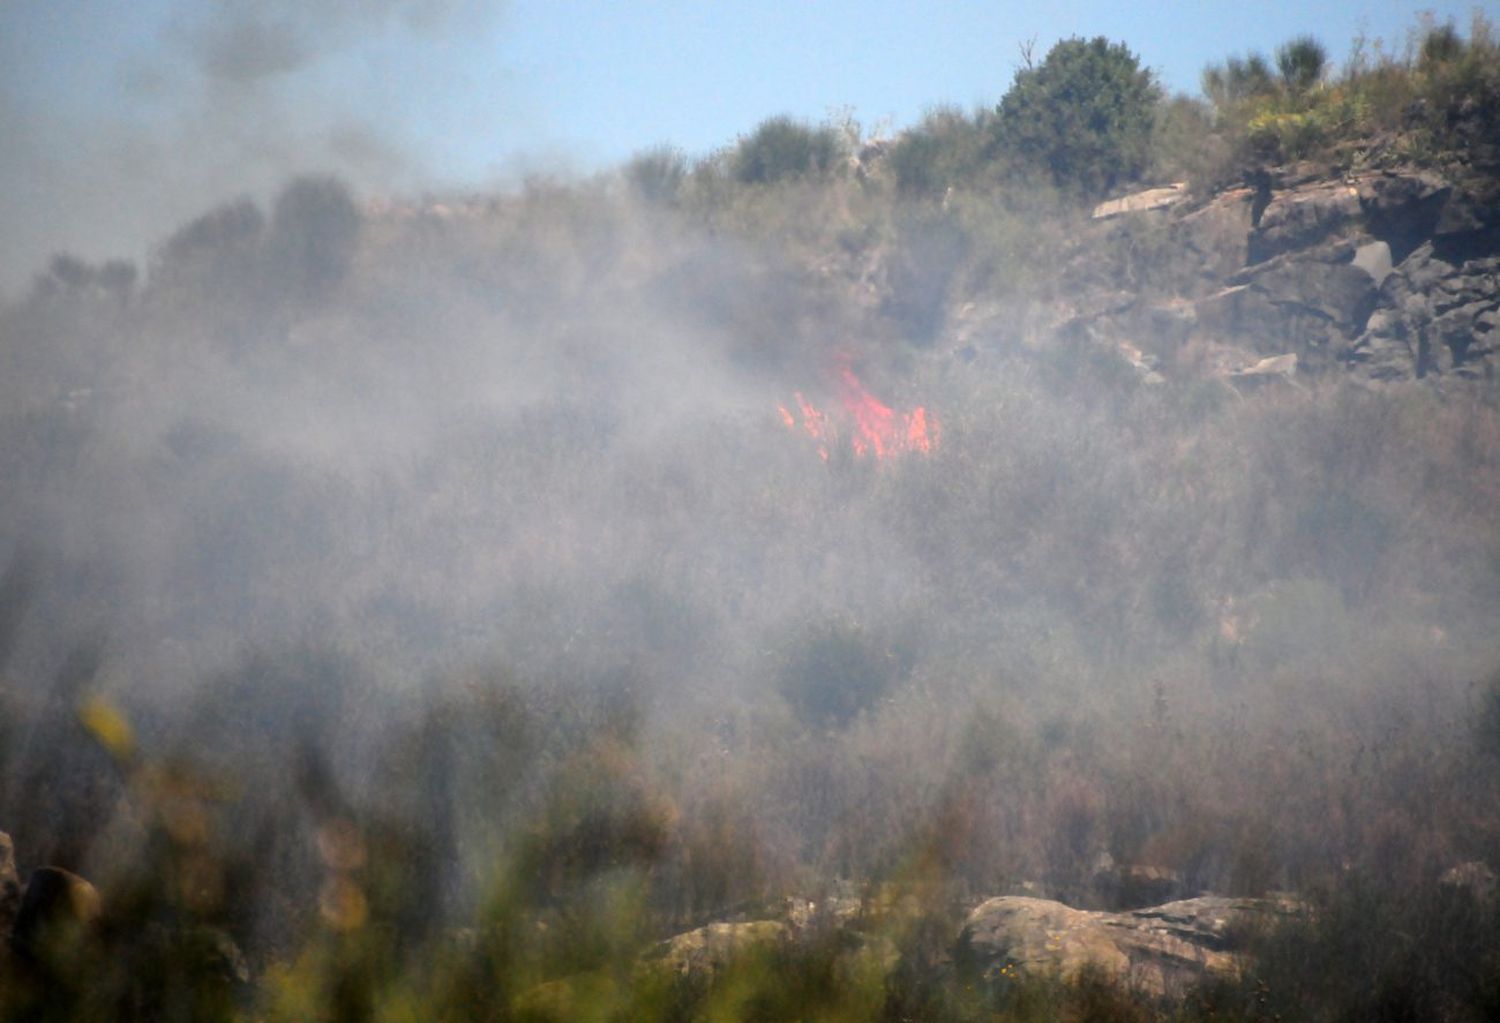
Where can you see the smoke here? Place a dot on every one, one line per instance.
(510, 383)
(238, 43)
(123, 120)
(326, 462)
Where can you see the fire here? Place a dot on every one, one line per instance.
(876, 429)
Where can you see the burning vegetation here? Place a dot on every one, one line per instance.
(872, 428)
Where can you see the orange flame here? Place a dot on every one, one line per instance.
(877, 429)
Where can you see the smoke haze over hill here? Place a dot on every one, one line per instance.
(495, 584)
(194, 105)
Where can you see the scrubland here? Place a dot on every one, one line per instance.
(431, 601)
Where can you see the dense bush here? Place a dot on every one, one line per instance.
(1376, 951)
(221, 245)
(657, 175)
(1438, 101)
(314, 228)
(1301, 63)
(1083, 116)
(1441, 45)
(234, 223)
(1186, 147)
(784, 149)
(835, 670)
(947, 149)
(1238, 79)
(1460, 84)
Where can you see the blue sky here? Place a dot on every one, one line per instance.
(122, 117)
(611, 78)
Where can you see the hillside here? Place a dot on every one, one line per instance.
(996, 571)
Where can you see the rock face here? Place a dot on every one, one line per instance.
(1395, 273)
(1389, 275)
(1434, 317)
(1216, 234)
(1302, 218)
(1275, 367)
(1157, 950)
(1141, 202)
(707, 950)
(56, 902)
(10, 884)
(1474, 879)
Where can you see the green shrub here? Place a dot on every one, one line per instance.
(1441, 45)
(835, 670)
(1301, 63)
(232, 223)
(314, 229)
(1289, 135)
(1237, 80)
(1460, 86)
(784, 149)
(916, 162)
(948, 149)
(221, 243)
(1440, 100)
(117, 275)
(657, 174)
(1374, 950)
(1185, 145)
(1083, 116)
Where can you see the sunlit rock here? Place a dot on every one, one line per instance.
(1473, 878)
(709, 949)
(1142, 202)
(1302, 218)
(1157, 950)
(1271, 368)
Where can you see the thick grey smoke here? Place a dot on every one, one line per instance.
(211, 101)
(325, 466)
(239, 42)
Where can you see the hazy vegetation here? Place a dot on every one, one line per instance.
(432, 601)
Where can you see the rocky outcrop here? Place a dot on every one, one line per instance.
(1137, 885)
(1434, 317)
(1310, 303)
(58, 907)
(1215, 235)
(10, 884)
(60, 931)
(1391, 275)
(1473, 880)
(1303, 209)
(1302, 218)
(1403, 209)
(1325, 284)
(1272, 369)
(707, 950)
(1157, 950)
(1141, 202)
